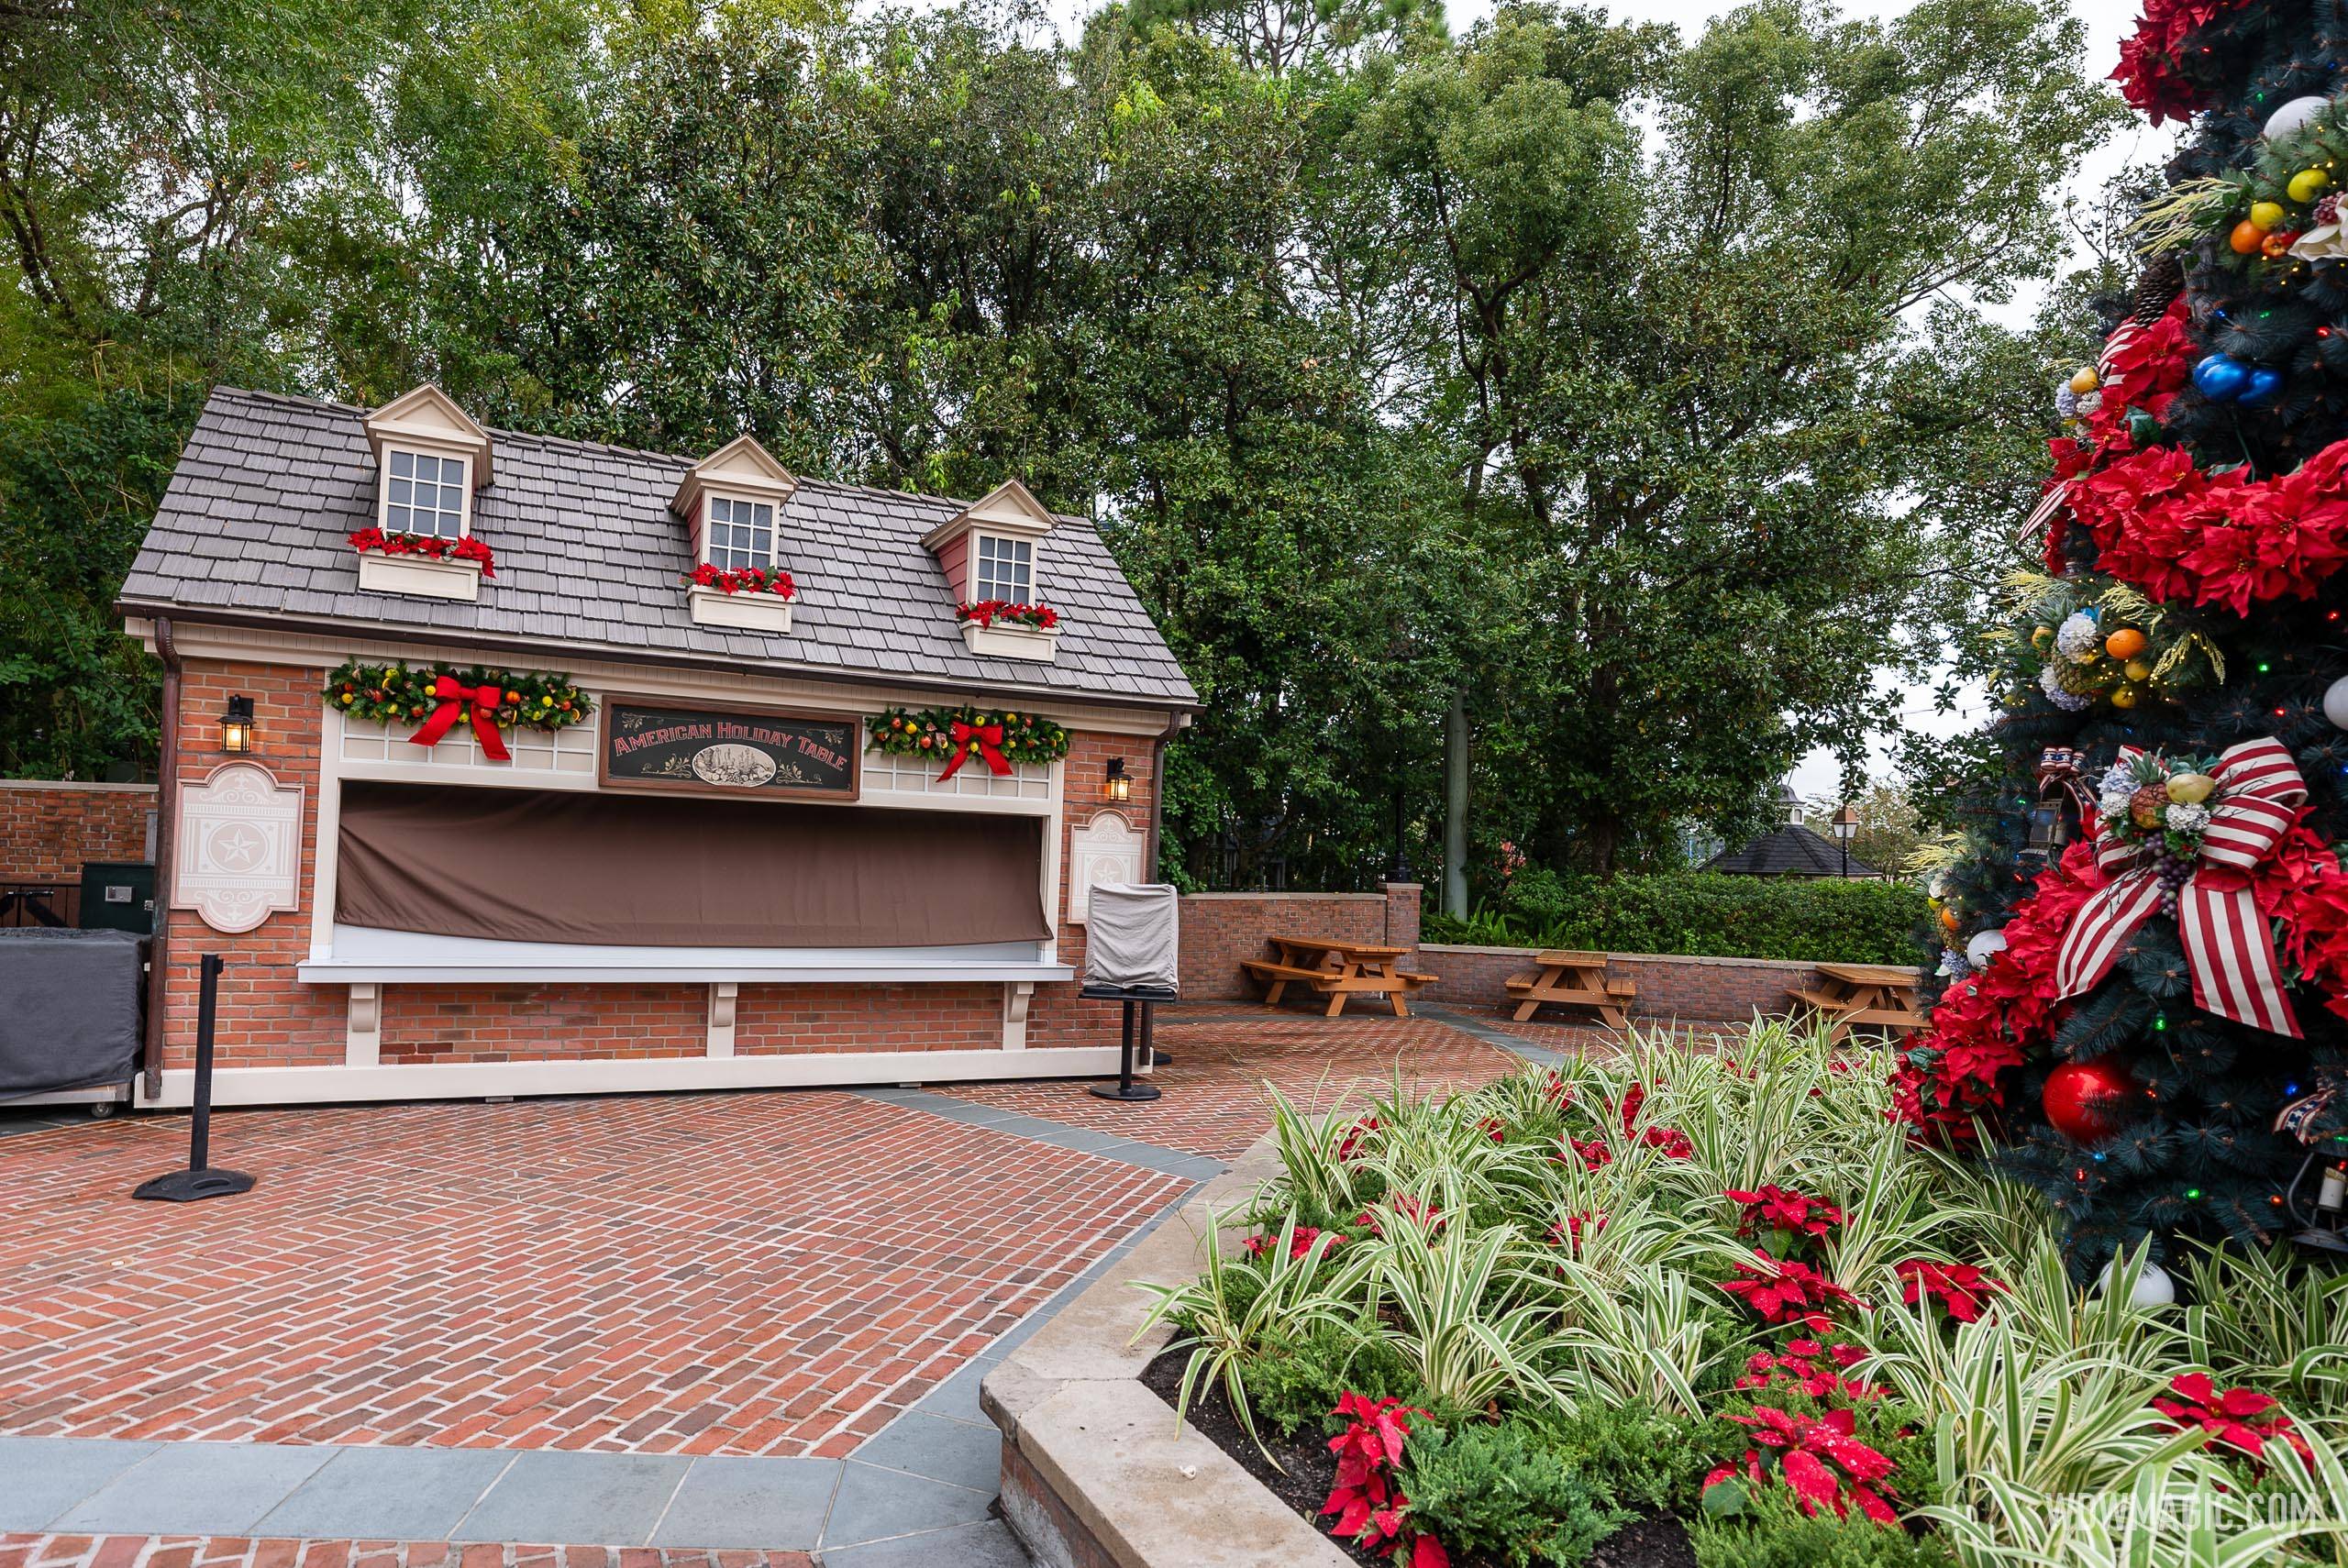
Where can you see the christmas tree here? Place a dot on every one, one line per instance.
(2146, 929)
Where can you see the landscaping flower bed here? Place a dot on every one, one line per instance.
(1675, 1307)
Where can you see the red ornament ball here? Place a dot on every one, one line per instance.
(2088, 1102)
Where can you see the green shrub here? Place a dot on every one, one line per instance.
(1636, 1453)
(1295, 1381)
(1772, 1533)
(1700, 913)
(1504, 1491)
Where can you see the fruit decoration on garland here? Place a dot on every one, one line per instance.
(440, 697)
(998, 737)
(2090, 638)
(2088, 1102)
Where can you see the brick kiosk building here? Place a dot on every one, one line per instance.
(710, 876)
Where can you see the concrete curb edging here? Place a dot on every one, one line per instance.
(1094, 1473)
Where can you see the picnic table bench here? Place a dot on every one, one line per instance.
(1337, 969)
(1568, 978)
(1850, 995)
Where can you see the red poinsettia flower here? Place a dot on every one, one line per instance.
(1784, 1291)
(1593, 1153)
(1795, 1213)
(1371, 1507)
(1819, 1461)
(1568, 1234)
(2238, 1418)
(1671, 1139)
(1800, 1367)
(742, 580)
(1494, 1128)
(1960, 1289)
(1350, 1146)
(1428, 1215)
(1300, 1242)
(987, 612)
(431, 546)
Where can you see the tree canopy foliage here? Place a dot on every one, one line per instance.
(1628, 384)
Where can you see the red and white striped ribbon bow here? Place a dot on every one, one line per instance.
(2227, 947)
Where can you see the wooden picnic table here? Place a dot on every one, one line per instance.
(1337, 969)
(1849, 995)
(1570, 978)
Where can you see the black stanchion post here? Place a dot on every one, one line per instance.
(199, 1180)
(1126, 1088)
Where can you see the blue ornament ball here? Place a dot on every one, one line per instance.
(2220, 378)
(2264, 387)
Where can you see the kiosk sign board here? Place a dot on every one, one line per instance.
(734, 752)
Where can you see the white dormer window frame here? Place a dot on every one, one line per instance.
(430, 457)
(1003, 566)
(404, 466)
(734, 525)
(993, 550)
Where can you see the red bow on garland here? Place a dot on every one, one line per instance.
(454, 698)
(988, 744)
(2227, 947)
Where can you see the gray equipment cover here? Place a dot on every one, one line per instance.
(1131, 936)
(69, 1008)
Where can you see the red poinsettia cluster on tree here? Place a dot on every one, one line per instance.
(1371, 1510)
(2151, 71)
(431, 546)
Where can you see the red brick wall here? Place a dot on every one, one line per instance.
(1725, 991)
(48, 831)
(267, 1017)
(532, 1024)
(1221, 930)
(781, 1020)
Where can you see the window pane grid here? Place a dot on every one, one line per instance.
(1006, 568)
(425, 495)
(741, 534)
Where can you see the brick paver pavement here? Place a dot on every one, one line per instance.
(228, 1552)
(749, 1274)
(1214, 1102)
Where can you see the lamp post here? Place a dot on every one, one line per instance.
(1846, 826)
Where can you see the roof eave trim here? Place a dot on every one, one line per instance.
(382, 631)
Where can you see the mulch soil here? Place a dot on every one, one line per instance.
(1307, 1470)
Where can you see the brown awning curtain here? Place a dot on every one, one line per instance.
(563, 866)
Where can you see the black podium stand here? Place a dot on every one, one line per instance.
(1145, 999)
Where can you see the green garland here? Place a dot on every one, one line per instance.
(928, 731)
(397, 694)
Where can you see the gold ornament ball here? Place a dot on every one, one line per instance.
(2191, 789)
(2083, 380)
(2125, 696)
(2308, 184)
(2267, 216)
(2137, 670)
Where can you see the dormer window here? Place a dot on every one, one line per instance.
(990, 552)
(1006, 569)
(423, 494)
(732, 503)
(741, 534)
(430, 457)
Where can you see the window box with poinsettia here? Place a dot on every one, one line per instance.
(747, 599)
(429, 566)
(1000, 629)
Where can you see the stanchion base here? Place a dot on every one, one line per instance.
(1139, 1091)
(186, 1186)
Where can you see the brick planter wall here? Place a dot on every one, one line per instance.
(1221, 930)
(49, 830)
(1721, 990)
